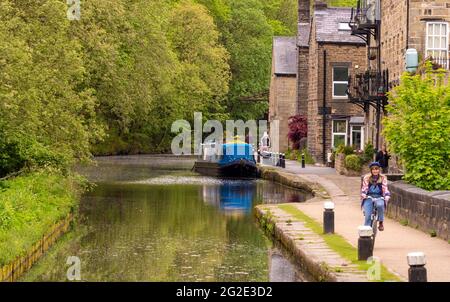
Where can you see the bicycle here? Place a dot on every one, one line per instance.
(374, 217)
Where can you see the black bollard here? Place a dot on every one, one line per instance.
(417, 271)
(365, 245)
(328, 218)
(303, 161)
(283, 160)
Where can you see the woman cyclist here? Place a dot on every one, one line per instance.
(374, 185)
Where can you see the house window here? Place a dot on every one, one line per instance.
(437, 42)
(357, 137)
(340, 82)
(339, 133)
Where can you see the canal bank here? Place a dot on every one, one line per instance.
(392, 245)
(35, 210)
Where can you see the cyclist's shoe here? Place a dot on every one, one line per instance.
(381, 226)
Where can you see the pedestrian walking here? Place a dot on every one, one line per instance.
(265, 142)
(383, 158)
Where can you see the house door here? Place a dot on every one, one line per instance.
(357, 136)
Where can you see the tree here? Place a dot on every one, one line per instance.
(417, 128)
(298, 130)
(47, 116)
(204, 74)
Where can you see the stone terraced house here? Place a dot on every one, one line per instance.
(327, 55)
(391, 29)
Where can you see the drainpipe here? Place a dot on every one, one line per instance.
(407, 23)
(378, 43)
(324, 111)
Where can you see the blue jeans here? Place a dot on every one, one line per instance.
(368, 208)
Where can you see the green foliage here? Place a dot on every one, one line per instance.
(369, 151)
(114, 81)
(418, 128)
(347, 150)
(25, 153)
(309, 160)
(353, 162)
(297, 155)
(29, 207)
(344, 3)
(247, 28)
(45, 111)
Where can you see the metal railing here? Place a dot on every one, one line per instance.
(440, 63)
(368, 85)
(366, 15)
(272, 159)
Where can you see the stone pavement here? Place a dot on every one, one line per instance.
(321, 262)
(393, 244)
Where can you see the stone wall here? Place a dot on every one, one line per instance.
(393, 37)
(427, 211)
(302, 79)
(396, 37)
(283, 94)
(424, 11)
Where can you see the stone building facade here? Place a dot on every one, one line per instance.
(327, 54)
(419, 24)
(423, 25)
(283, 90)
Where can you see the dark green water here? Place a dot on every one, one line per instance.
(146, 221)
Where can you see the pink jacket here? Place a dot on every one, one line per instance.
(384, 187)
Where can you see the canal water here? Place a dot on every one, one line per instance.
(150, 218)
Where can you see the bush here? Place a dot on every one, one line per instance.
(309, 160)
(298, 129)
(17, 153)
(369, 151)
(353, 162)
(347, 150)
(418, 128)
(29, 206)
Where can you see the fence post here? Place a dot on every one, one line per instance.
(303, 160)
(417, 271)
(365, 243)
(328, 217)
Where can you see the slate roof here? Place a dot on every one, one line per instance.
(327, 27)
(328, 20)
(285, 55)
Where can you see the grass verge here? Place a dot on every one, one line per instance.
(337, 243)
(29, 206)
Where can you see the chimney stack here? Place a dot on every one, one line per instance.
(320, 5)
(304, 11)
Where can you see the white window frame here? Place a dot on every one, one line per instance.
(428, 47)
(344, 26)
(340, 82)
(362, 135)
(339, 133)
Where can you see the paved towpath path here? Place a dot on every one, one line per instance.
(393, 244)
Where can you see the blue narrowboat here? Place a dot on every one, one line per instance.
(236, 160)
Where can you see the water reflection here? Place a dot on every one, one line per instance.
(171, 227)
(232, 198)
